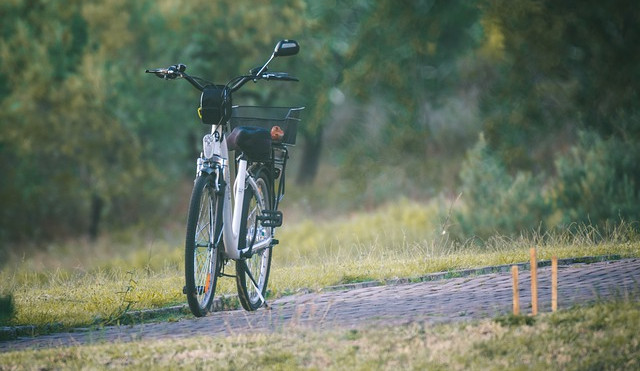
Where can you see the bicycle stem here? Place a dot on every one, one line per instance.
(265, 65)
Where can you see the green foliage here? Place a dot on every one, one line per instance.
(7, 308)
(495, 201)
(86, 138)
(64, 150)
(513, 320)
(427, 37)
(562, 65)
(598, 182)
(401, 79)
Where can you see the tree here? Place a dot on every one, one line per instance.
(66, 157)
(565, 66)
(238, 37)
(331, 29)
(83, 132)
(403, 64)
(561, 101)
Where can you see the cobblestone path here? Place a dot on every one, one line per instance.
(445, 300)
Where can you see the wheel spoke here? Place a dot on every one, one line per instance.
(203, 255)
(201, 259)
(257, 266)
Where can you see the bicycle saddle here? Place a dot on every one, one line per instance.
(253, 141)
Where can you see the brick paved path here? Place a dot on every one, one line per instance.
(447, 300)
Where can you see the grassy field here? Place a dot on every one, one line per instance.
(80, 283)
(604, 336)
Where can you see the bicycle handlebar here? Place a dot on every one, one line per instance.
(178, 71)
(282, 49)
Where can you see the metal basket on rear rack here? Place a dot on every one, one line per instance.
(286, 118)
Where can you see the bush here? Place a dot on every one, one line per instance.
(598, 182)
(495, 201)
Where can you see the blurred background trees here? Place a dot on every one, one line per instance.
(397, 96)
(561, 110)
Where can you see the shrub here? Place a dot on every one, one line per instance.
(495, 201)
(598, 182)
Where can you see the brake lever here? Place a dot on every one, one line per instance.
(170, 73)
(283, 76)
(159, 72)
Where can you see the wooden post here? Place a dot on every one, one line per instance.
(516, 296)
(554, 283)
(534, 282)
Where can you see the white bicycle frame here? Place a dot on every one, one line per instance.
(216, 151)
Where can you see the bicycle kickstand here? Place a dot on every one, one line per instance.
(255, 285)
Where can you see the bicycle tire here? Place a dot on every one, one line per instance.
(202, 257)
(259, 264)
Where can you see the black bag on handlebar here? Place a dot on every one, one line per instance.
(215, 105)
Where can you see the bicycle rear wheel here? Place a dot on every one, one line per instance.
(202, 258)
(252, 274)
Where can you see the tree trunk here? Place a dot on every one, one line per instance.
(96, 213)
(310, 159)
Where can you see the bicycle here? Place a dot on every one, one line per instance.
(221, 229)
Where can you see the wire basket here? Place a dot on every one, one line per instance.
(286, 118)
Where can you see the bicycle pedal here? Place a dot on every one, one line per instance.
(271, 218)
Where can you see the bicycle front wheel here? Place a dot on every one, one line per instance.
(252, 274)
(202, 258)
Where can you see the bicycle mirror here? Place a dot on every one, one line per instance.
(286, 48)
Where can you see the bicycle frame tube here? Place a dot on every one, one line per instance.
(239, 187)
(232, 209)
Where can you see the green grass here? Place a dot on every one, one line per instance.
(80, 283)
(603, 336)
